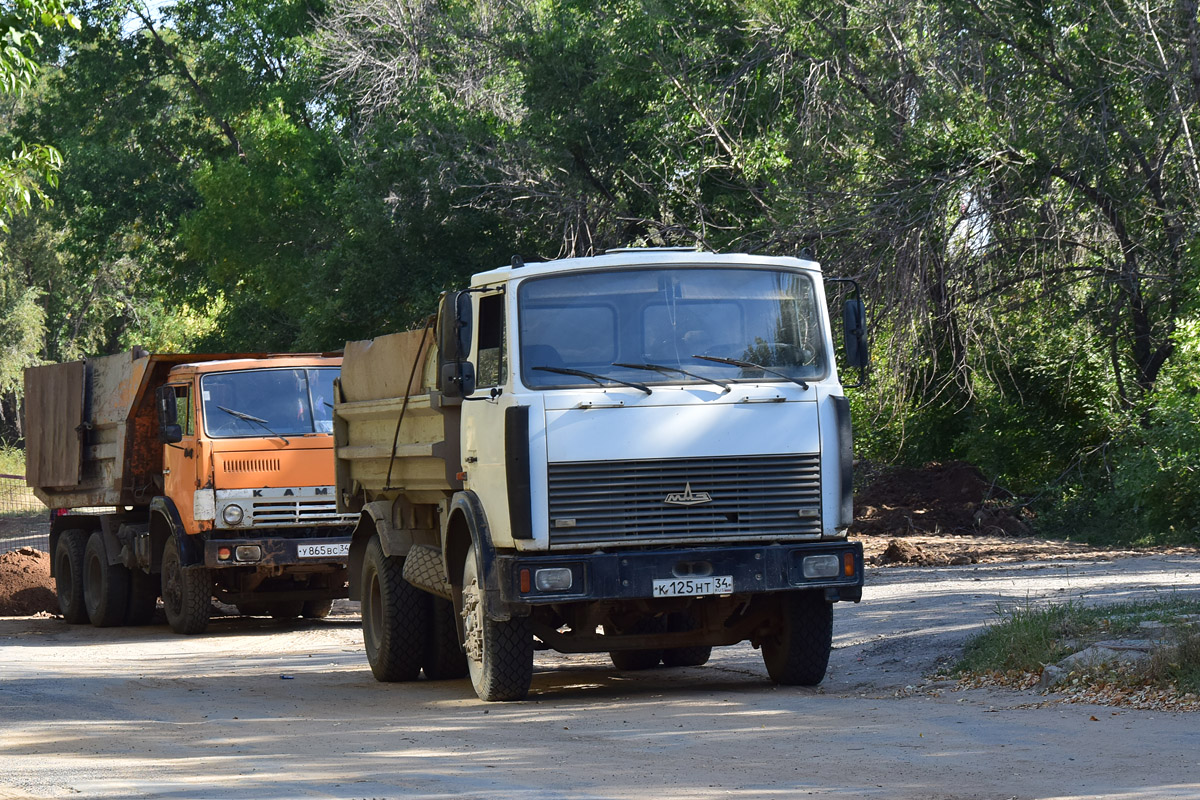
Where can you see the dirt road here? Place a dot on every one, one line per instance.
(258, 710)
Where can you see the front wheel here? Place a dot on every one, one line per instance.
(798, 653)
(395, 617)
(499, 653)
(105, 585)
(68, 575)
(186, 593)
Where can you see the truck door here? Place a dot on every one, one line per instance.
(483, 414)
(179, 460)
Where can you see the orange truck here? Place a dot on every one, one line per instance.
(188, 477)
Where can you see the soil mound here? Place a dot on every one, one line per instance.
(948, 499)
(26, 587)
(902, 551)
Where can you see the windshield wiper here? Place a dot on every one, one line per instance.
(751, 365)
(591, 376)
(249, 418)
(664, 369)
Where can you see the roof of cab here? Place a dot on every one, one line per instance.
(263, 361)
(639, 257)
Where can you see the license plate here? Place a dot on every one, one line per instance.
(691, 587)
(323, 550)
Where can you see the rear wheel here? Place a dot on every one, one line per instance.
(68, 575)
(695, 656)
(633, 660)
(798, 654)
(444, 658)
(395, 617)
(186, 593)
(316, 609)
(285, 609)
(499, 652)
(105, 585)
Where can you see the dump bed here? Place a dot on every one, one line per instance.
(394, 434)
(91, 428)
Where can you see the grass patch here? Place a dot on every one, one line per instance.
(12, 460)
(1027, 638)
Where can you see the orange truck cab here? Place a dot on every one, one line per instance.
(217, 473)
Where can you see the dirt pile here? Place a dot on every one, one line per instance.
(946, 499)
(902, 551)
(25, 584)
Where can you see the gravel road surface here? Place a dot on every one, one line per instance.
(261, 710)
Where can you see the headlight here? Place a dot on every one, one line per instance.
(824, 566)
(233, 515)
(554, 579)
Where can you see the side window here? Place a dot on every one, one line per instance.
(183, 410)
(491, 369)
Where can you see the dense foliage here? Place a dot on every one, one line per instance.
(1014, 183)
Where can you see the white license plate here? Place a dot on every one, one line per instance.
(323, 550)
(691, 587)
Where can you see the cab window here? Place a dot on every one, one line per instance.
(491, 369)
(183, 410)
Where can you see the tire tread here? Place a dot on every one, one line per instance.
(799, 654)
(401, 650)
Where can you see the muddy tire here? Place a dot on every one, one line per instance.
(316, 609)
(143, 597)
(395, 617)
(444, 657)
(105, 586)
(684, 656)
(798, 654)
(636, 660)
(499, 653)
(68, 575)
(186, 593)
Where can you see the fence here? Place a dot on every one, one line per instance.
(24, 521)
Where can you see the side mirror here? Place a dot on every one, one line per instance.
(456, 375)
(169, 429)
(854, 322)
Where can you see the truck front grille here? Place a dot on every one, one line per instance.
(280, 511)
(743, 498)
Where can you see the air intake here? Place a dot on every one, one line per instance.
(252, 465)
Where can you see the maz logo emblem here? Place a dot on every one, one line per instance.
(687, 497)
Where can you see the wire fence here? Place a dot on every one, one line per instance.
(24, 521)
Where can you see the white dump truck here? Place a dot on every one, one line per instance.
(645, 453)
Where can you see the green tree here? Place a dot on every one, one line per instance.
(31, 166)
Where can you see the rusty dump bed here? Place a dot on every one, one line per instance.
(92, 428)
(376, 376)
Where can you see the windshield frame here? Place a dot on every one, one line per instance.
(209, 410)
(817, 369)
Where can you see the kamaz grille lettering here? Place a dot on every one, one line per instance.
(751, 498)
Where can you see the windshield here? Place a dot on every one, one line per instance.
(667, 318)
(262, 402)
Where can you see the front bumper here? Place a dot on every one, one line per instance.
(631, 575)
(276, 552)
